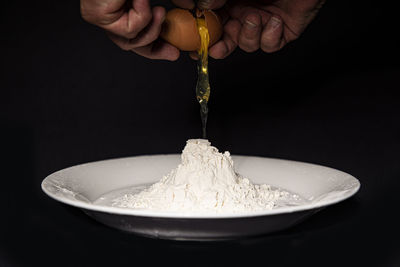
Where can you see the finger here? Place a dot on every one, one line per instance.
(272, 36)
(158, 50)
(96, 12)
(240, 11)
(211, 4)
(145, 37)
(132, 22)
(250, 33)
(141, 6)
(188, 4)
(229, 41)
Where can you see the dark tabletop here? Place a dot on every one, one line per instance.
(69, 96)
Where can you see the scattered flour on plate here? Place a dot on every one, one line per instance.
(204, 182)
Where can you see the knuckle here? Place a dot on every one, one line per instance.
(133, 29)
(144, 19)
(130, 33)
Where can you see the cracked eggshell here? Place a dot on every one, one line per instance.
(180, 29)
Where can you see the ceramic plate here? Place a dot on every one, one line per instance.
(86, 186)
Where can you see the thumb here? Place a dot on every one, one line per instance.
(211, 4)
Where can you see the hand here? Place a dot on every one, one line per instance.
(265, 24)
(132, 25)
(255, 24)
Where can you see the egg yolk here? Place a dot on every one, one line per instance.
(204, 90)
(203, 85)
(204, 40)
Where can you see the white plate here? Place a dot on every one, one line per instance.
(82, 185)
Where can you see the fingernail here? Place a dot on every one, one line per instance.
(275, 22)
(250, 24)
(204, 4)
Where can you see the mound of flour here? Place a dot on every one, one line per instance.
(205, 182)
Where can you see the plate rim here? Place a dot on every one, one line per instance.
(159, 214)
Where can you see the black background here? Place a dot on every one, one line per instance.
(69, 96)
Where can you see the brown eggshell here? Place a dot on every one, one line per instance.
(180, 29)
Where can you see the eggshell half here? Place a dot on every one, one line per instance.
(180, 29)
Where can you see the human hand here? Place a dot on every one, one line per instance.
(265, 24)
(131, 24)
(255, 24)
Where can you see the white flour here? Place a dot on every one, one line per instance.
(205, 182)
